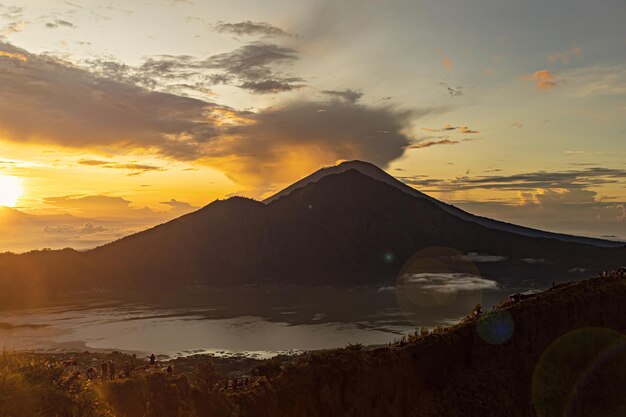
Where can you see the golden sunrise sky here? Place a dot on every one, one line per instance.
(125, 114)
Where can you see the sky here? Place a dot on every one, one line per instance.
(118, 115)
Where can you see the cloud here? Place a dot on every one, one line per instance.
(14, 22)
(534, 261)
(565, 56)
(86, 229)
(568, 179)
(348, 95)
(428, 144)
(252, 66)
(13, 55)
(562, 201)
(447, 63)
(466, 130)
(79, 109)
(482, 258)
(250, 28)
(453, 92)
(518, 125)
(280, 144)
(135, 169)
(178, 205)
(597, 80)
(449, 282)
(448, 127)
(98, 206)
(543, 79)
(60, 23)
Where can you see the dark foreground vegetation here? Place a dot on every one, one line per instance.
(560, 353)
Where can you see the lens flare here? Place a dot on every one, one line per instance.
(581, 374)
(11, 190)
(439, 281)
(495, 327)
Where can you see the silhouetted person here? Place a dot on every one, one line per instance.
(105, 368)
(112, 370)
(169, 369)
(152, 359)
(477, 311)
(91, 373)
(127, 369)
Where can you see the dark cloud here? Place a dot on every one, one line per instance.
(250, 28)
(429, 143)
(79, 109)
(284, 143)
(452, 91)
(59, 23)
(348, 95)
(253, 67)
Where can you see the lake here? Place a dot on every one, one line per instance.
(256, 321)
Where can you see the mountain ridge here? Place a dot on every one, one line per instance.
(377, 173)
(346, 228)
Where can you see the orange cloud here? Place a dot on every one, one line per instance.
(544, 79)
(465, 129)
(447, 63)
(11, 55)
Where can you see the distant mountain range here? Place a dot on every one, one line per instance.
(348, 224)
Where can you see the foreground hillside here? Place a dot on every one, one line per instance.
(561, 353)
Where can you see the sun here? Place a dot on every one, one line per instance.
(10, 190)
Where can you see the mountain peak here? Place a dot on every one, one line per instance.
(365, 168)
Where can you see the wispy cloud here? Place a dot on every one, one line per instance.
(569, 179)
(135, 169)
(11, 20)
(348, 95)
(565, 56)
(448, 127)
(60, 23)
(85, 229)
(250, 28)
(429, 143)
(448, 282)
(597, 80)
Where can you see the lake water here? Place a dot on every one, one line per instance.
(251, 320)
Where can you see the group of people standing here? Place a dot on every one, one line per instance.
(108, 369)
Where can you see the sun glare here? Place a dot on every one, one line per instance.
(10, 190)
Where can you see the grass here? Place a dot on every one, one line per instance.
(31, 387)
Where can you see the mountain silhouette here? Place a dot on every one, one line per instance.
(350, 224)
